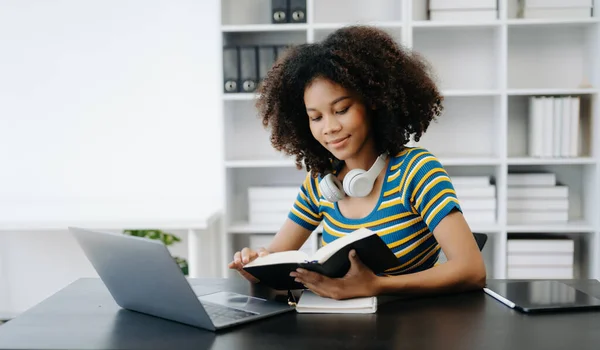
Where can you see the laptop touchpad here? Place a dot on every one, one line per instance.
(204, 290)
(234, 300)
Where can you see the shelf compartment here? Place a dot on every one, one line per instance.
(355, 11)
(581, 181)
(555, 57)
(520, 129)
(462, 58)
(464, 130)
(246, 138)
(584, 254)
(240, 180)
(420, 17)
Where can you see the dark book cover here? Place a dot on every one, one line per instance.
(371, 250)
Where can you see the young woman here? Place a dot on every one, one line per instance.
(352, 102)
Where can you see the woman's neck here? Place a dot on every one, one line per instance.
(364, 159)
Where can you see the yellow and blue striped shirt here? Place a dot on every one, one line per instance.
(417, 194)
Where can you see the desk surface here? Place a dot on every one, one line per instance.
(84, 316)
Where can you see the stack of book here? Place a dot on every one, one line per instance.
(463, 10)
(554, 127)
(540, 258)
(270, 205)
(536, 197)
(477, 197)
(555, 8)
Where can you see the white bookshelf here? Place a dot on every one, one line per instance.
(486, 71)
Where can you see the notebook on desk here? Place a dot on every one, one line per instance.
(540, 296)
(313, 303)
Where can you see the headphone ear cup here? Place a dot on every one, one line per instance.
(351, 180)
(331, 188)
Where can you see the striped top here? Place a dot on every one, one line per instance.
(417, 194)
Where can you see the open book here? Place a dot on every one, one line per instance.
(330, 260)
(312, 303)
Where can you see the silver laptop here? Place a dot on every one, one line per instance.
(141, 275)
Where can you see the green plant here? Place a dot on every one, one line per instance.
(166, 238)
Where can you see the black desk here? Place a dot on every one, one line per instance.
(84, 316)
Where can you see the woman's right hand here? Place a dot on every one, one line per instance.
(243, 257)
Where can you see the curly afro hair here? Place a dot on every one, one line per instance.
(394, 83)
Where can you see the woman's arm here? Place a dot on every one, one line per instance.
(464, 270)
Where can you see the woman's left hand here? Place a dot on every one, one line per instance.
(360, 281)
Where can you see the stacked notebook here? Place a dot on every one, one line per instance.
(540, 258)
(477, 197)
(312, 303)
(463, 10)
(536, 198)
(555, 8)
(554, 127)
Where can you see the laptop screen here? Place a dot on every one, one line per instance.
(541, 295)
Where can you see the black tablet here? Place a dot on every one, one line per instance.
(540, 295)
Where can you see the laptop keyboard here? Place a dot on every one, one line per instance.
(224, 314)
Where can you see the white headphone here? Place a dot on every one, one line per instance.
(357, 183)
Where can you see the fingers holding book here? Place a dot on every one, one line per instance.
(358, 282)
(243, 257)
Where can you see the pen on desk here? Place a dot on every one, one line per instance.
(500, 298)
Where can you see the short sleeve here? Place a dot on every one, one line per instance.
(305, 211)
(429, 190)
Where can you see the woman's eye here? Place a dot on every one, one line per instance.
(343, 110)
(315, 119)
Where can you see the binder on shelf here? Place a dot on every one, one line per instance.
(231, 69)
(279, 11)
(249, 68)
(297, 9)
(266, 57)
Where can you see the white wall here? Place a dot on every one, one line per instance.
(108, 110)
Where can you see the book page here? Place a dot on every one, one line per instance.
(325, 252)
(291, 256)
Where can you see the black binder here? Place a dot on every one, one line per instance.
(297, 11)
(279, 11)
(231, 69)
(266, 57)
(249, 68)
